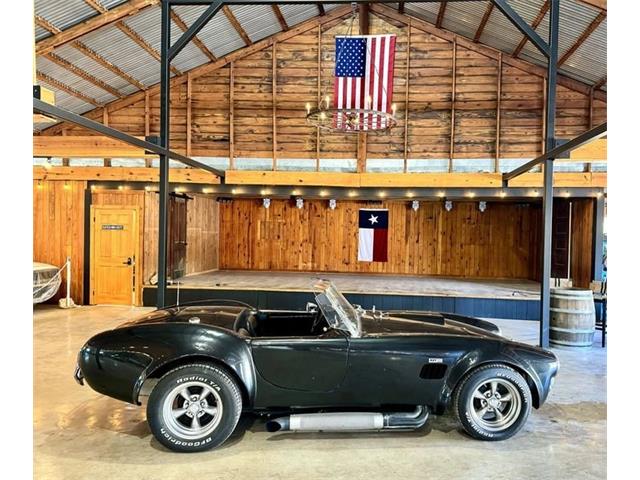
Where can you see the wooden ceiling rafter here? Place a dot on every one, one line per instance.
(582, 38)
(48, 26)
(280, 17)
(66, 88)
(135, 36)
(196, 41)
(68, 66)
(536, 21)
(483, 22)
(103, 19)
(236, 25)
(99, 59)
(441, 14)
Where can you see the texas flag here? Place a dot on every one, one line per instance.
(372, 236)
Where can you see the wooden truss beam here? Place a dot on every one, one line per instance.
(196, 41)
(441, 13)
(236, 24)
(66, 88)
(52, 57)
(588, 31)
(108, 17)
(536, 21)
(483, 22)
(123, 174)
(48, 26)
(280, 17)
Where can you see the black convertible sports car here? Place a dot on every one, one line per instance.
(332, 367)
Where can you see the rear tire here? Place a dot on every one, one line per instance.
(492, 402)
(194, 408)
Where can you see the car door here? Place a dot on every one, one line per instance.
(307, 364)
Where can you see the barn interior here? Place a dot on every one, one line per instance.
(256, 202)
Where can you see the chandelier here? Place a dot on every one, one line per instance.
(366, 113)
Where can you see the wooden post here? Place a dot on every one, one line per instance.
(188, 115)
(406, 102)
(544, 114)
(147, 124)
(591, 90)
(319, 95)
(361, 151)
(498, 108)
(65, 161)
(105, 121)
(453, 103)
(232, 161)
(273, 101)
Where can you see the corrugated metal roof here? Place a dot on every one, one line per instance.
(64, 13)
(258, 21)
(587, 64)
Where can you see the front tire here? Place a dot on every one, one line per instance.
(194, 408)
(493, 402)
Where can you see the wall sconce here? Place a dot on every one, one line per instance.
(448, 205)
(266, 202)
(333, 204)
(415, 205)
(299, 203)
(482, 206)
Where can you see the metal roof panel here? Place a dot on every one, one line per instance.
(259, 21)
(64, 13)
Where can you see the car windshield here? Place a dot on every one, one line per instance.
(338, 312)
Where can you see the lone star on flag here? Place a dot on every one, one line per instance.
(373, 219)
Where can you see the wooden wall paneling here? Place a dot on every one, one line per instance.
(202, 234)
(274, 103)
(105, 121)
(572, 114)
(232, 157)
(319, 95)
(498, 108)
(582, 225)
(464, 242)
(147, 124)
(58, 229)
(430, 96)
(405, 153)
(211, 114)
(188, 115)
(150, 250)
(452, 131)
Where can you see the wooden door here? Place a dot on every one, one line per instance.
(114, 251)
(177, 237)
(560, 238)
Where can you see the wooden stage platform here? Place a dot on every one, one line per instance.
(493, 298)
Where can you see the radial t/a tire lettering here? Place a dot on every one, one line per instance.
(194, 408)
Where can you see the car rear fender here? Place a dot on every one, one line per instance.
(203, 344)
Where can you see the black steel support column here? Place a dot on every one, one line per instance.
(598, 238)
(163, 197)
(547, 196)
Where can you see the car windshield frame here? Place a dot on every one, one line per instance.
(337, 310)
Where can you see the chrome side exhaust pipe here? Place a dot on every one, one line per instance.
(350, 421)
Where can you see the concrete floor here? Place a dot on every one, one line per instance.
(79, 434)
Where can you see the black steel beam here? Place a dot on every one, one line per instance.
(193, 30)
(524, 27)
(553, 153)
(547, 193)
(61, 114)
(165, 85)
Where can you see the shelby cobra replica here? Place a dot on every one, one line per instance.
(333, 367)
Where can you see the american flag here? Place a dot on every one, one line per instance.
(364, 72)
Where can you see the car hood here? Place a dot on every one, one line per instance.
(219, 316)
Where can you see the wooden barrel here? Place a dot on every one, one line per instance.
(573, 317)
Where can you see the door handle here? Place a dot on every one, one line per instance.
(128, 262)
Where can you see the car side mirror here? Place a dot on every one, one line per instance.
(311, 307)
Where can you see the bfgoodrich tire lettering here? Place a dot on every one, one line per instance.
(194, 408)
(492, 402)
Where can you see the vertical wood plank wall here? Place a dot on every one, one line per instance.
(464, 242)
(304, 67)
(58, 226)
(582, 224)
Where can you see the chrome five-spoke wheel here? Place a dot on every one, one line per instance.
(495, 404)
(192, 410)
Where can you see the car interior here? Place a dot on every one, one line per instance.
(255, 323)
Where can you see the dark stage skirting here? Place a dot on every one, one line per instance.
(508, 299)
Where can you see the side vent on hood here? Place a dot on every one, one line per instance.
(433, 371)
